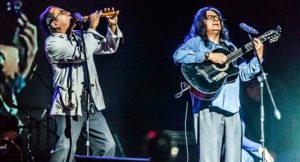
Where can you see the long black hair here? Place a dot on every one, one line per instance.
(198, 26)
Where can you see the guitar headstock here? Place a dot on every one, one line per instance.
(14, 6)
(272, 35)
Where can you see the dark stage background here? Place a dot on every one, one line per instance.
(140, 80)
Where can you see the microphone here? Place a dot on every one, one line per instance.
(79, 18)
(248, 29)
(33, 71)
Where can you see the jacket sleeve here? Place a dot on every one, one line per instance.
(59, 51)
(104, 45)
(248, 70)
(191, 51)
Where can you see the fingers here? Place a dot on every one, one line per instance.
(30, 31)
(113, 19)
(257, 43)
(222, 60)
(28, 34)
(95, 17)
(23, 18)
(96, 14)
(99, 13)
(218, 58)
(21, 22)
(117, 13)
(29, 28)
(106, 9)
(27, 42)
(112, 9)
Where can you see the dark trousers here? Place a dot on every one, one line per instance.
(219, 136)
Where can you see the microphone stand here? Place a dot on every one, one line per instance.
(263, 80)
(30, 126)
(29, 137)
(87, 90)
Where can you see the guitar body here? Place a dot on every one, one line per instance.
(206, 79)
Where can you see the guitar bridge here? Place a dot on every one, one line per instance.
(201, 72)
(219, 76)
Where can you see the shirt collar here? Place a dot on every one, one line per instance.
(222, 42)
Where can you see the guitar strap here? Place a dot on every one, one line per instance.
(184, 87)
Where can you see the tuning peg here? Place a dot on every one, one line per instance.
(8, 6)
(278, 29)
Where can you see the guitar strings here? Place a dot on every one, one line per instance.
(234, 55)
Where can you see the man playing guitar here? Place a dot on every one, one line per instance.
(217, 121)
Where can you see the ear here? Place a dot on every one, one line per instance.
(53, 25)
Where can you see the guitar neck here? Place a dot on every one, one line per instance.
(243, 50)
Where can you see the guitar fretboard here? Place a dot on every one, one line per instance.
(241, 51)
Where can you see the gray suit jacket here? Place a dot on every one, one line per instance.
(66, 58)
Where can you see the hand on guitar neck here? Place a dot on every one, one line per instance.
(259, 46)
(220, 58)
